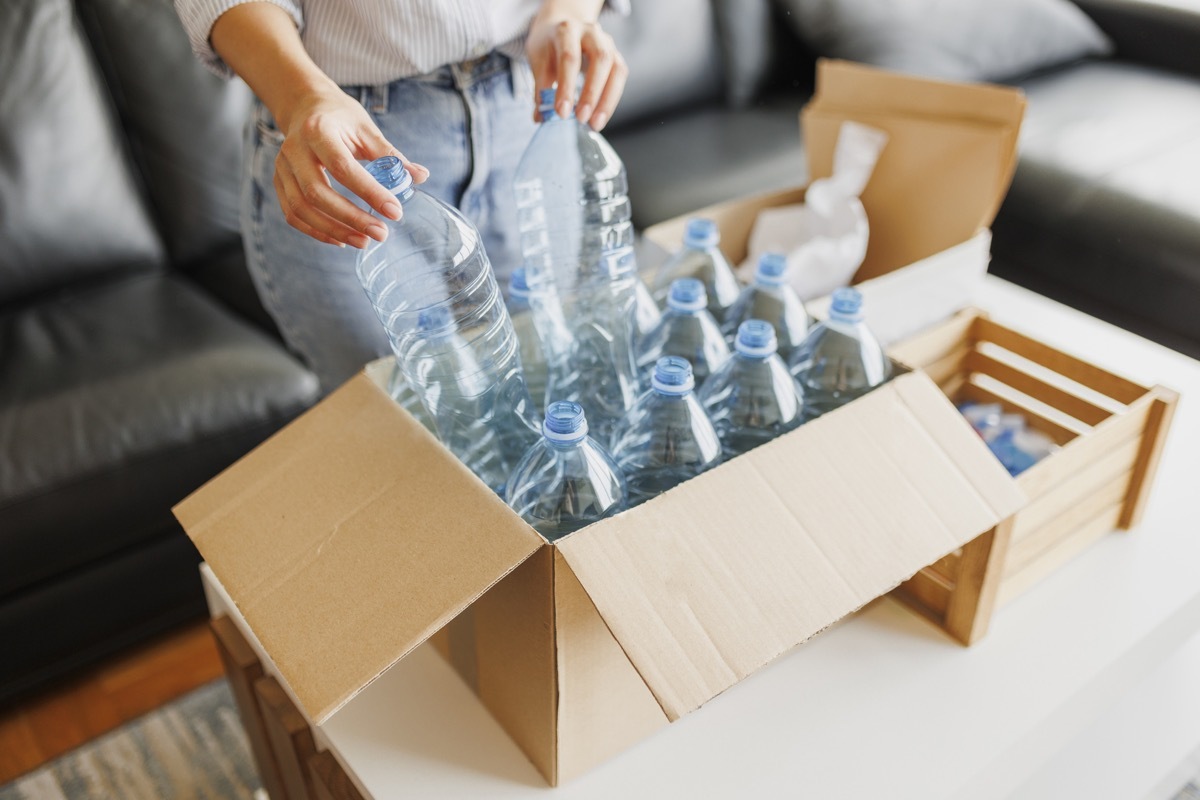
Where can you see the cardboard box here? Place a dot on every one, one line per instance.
(950, 157)
(1111, 431)
(352, 536)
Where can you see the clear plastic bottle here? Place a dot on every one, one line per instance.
(432, 287)
(647, 314)
(566, 480)
(668, 438)
(770, 298)
(686, 330)
(840, 359)
(752, 398)
(700, 258)
(577, 240)
(533, 360)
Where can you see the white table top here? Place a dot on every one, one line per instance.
(882, 705)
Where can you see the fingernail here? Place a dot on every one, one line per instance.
(583, 111)
(598, 120)
(392, 211)
(377, 232)
(360, 242)
(564, 108)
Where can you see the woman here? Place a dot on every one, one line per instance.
(344, 81)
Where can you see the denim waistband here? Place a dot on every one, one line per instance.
(461, 75)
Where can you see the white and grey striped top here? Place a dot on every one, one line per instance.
(357, 42)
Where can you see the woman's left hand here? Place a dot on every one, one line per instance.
(563, 38)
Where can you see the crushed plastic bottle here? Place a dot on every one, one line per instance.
(770, 298)
(686, 330)
(700, 258)
(533, 360)
(432, 287)
(840, 359)
(668, 438)
(566, 480)
(1017, 446)
(752, 398)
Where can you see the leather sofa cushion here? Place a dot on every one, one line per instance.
(710, 155)
(117, 401)
(69, 206)
(183, 123)
(1105, 198)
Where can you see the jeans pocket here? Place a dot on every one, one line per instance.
(267, 129)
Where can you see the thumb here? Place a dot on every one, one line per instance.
(376, 146)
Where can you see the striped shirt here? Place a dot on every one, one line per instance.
(369, 42)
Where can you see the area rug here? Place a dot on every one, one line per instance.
(193, 747)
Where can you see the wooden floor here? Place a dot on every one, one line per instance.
(110, 694)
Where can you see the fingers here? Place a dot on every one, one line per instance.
(600, 51)
(567, 64)
(306, 197)
(374, 146)
(611, 94)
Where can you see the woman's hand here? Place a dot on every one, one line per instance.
(564, 35)
(326, 134)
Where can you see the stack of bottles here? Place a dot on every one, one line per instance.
(1011, 440)
(602, 401)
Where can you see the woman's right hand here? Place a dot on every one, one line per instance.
(326, 134)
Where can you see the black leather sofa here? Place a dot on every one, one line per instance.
(136, 362)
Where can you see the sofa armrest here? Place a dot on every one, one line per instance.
(1160, 33)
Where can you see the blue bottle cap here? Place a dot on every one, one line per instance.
(846, 305)
(701, 233)
(687, 294)
(673, 376)
(756, 339)
(771, 270)
(518, 285)
(565, 422)
(435, 319)
(391, 174)
(546, 103)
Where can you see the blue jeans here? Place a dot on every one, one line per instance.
(468, 123)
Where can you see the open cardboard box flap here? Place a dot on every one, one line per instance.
(350, 537)
(950, 156)
(710, 581)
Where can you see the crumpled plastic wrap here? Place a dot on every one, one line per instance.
(825, 237)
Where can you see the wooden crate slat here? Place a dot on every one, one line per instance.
(928, 592)
(290, 737)
(1162, 409)
(981, 572)
(330, 781)
(934, 344)
(949, 365)
(1120, 389)
(1046, 537)
(1067, 548)
(1078, 454)
(1037, 388)
(1078, 488)
(979, 394)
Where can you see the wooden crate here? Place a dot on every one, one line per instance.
(1111, 431)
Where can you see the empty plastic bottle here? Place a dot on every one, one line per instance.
(577, 240)
(752, 398)
(840, 359)
(566, 480)
(700, 258)
(432, 287)
(770, 298)
(686, 330)
(668, 438)
(647, 314)
(533, 360)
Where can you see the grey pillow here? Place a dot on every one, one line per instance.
(964, 40)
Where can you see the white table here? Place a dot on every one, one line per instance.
(884, 705)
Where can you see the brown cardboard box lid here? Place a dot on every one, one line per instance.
(950, 156)
(710, 581)
(349, 538)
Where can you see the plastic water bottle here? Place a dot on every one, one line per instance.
(700, 258)
(647, 314)
(668, 438)
(770, 298)
(566, 480)
(577, 240)
(533, 360)
(686, 330)
(433, 289)
(752, 398)
(1017, 446)
(840, 359)
(400, 391)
